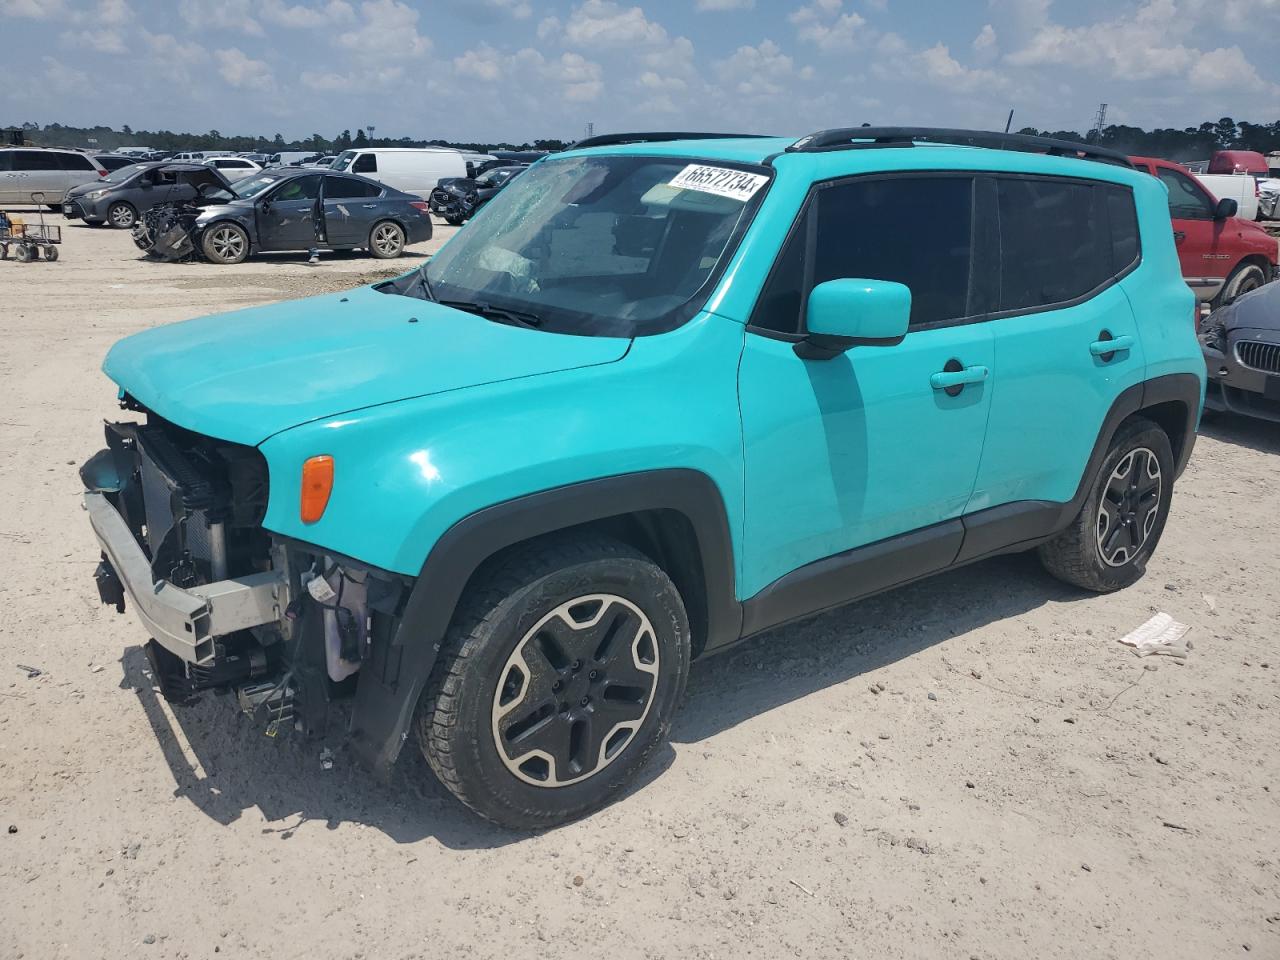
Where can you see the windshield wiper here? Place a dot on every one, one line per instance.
(501, 314)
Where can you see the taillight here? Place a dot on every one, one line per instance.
(102, 173)
(317, 484)
(420, 206)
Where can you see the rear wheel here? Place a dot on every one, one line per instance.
(51, 253)
(386, 240)
(1246, 277)
(225, 243)
(24, 253)
(1108, 545)
(557, 682)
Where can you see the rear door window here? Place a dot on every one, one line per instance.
(913, 230)
(1051, 234)
(347, 188)
(75, 161)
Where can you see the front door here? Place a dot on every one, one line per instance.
(845, 452)
(287, 217)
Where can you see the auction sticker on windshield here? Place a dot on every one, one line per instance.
(722, 181)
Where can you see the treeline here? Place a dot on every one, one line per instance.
(1191, 143)
(107, 138)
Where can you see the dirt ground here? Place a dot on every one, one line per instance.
(1059, 798)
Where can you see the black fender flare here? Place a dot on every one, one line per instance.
(392, 680)
(1181, 388)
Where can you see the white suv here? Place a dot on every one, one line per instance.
(28, 170)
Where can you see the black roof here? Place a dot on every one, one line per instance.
(862, 138)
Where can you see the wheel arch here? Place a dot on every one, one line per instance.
(1172, 401)
(677, 517)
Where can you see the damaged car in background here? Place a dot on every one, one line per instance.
(1242, 353)
(286, 209)
(457, 199)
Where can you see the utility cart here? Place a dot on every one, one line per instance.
(27, 241)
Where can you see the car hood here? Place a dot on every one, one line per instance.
(1256, 311)
(247, 375)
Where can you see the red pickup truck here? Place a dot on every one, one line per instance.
(1222, 255)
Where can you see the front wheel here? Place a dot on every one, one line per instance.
(225, 243)
(386, 240)
(122, 216)
(1107, 546)
(557, 682)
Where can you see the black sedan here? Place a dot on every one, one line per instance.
(1242, 353)
(301, 209)
(459, 198)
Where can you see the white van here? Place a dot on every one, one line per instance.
(415, 170)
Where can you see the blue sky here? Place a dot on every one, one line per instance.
(519, 69)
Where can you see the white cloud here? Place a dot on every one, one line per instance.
(237, 15)
(603, 23)
(548, 27)
(302, 15)
(1226, 68)
(102, 41)
(31, 9)
(938, 66)
(761, 72)
(517, 9)
(114, 12)
(241, 70)
(985, 44)
(717, 6)
(482, 63)
(823, 24)
(389, 31)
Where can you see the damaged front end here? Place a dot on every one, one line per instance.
(168, 230)
(229, 606)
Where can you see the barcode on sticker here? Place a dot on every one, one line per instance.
(722, 181)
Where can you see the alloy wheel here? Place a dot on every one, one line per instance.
(575, 691)
(227, 243)
(388, 239)
(121, 216)
(1130, 506)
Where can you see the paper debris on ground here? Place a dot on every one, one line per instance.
(1160, 635)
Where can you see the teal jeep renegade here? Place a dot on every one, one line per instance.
(665, 392)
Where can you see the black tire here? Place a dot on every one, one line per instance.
(454, 221)
(483, 690)
(225, 242)
(122, 216)
(1107, 548)
(51, 253)
(387, 240)
(1243, 279)
(24, 253)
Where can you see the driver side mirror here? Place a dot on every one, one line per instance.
(1225, 209)
(847, 313)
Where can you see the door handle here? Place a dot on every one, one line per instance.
(1179, 236)
(1106, 348)
(955, 380)
(369, 206)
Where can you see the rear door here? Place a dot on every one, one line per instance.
(1064, 246)
(845, 452)
(288, 217)
(349, 209)
(1202, 240)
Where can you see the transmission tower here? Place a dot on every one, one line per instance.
(1099, 120)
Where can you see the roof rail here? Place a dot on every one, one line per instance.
(613, 139)
(854, 138)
